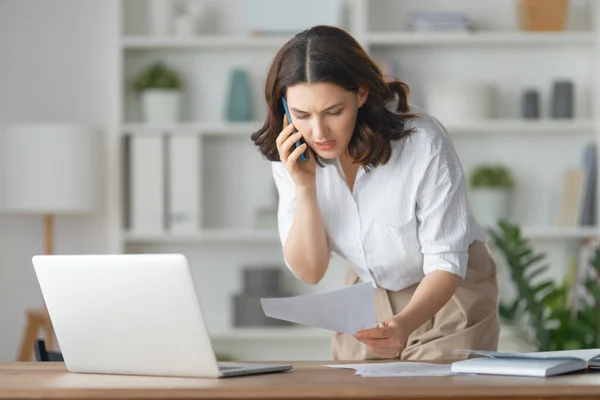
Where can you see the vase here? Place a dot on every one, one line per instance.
(159, 17)
(562, 99)
(531, 104)
(239, 99)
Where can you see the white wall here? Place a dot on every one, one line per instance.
(59, 62)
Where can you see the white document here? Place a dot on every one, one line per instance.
(345, 310)
(147, 176)
(184, 205)
(397, 369)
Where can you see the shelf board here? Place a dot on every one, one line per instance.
(200, 128)
(272, 333)
(558, 233)
(272, 236)
(521, 126)
(207, 236)
(485, 127)
(512, 38)
(202, 41)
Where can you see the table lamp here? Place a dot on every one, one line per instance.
(48, 169)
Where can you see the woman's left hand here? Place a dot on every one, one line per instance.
(387, 339)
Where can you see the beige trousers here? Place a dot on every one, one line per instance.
(468, 321)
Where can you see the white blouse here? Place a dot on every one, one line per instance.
(402, 220)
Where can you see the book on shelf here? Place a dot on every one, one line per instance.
(183, 183)
(145, 183)
(537, 364)
(579, 192)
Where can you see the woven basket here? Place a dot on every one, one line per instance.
(543, 15)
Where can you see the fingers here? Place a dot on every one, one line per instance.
(284, 134)
(387, 348)
(288, 146)
(295, 155)
(388, 354)
(375, 333)
(282, 139)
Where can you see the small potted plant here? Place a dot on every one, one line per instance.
(160, 91)
(491, 193)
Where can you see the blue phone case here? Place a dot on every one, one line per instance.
(303, 156)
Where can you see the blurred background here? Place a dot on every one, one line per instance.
(125, 128)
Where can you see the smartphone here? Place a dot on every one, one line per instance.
(303, 156)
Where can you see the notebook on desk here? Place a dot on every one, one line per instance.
(539, 364)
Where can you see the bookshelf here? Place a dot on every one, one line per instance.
(234, 180)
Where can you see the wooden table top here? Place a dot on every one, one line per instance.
(308, 380)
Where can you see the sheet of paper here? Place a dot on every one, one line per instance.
(346, 310)
(397, 369)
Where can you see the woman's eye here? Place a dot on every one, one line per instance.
(335, 112)
(301, 117)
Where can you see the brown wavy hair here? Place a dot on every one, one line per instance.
(329, 54)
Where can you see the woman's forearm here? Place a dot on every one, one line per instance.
(306, 250)
(434, 291)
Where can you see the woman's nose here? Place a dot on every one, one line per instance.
(318, 131)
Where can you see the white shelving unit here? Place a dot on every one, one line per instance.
(236, 180)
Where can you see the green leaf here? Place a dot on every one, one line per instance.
(536, 272)
(543, 287)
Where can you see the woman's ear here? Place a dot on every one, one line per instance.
(363, 95)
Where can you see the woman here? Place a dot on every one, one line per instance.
(382, 187)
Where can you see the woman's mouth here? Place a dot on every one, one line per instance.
(325, 146)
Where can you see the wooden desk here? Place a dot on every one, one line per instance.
(306, 381)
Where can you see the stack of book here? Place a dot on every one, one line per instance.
(439, 21)
(540, 364)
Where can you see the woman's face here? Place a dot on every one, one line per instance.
(325, 115)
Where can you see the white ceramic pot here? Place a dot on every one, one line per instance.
(455, 103)
(491, 205)
(161, 106)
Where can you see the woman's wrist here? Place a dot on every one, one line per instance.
(308, 190)
(406, 321)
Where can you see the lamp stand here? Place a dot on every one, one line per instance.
(48, 233)
(39, 319)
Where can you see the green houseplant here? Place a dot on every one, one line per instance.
(546, 310)
(491, 193)
(491, 176)
(160, 90)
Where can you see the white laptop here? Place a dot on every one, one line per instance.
(131, 314)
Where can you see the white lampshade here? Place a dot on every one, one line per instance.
(50, 169)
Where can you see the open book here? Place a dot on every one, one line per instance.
(541, 364)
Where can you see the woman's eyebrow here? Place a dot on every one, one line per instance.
(327, 109)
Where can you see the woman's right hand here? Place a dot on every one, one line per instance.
(303, 172)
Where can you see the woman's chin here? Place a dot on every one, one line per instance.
(328, 155)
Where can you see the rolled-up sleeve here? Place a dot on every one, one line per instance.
(287, 199)
(442, 211)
